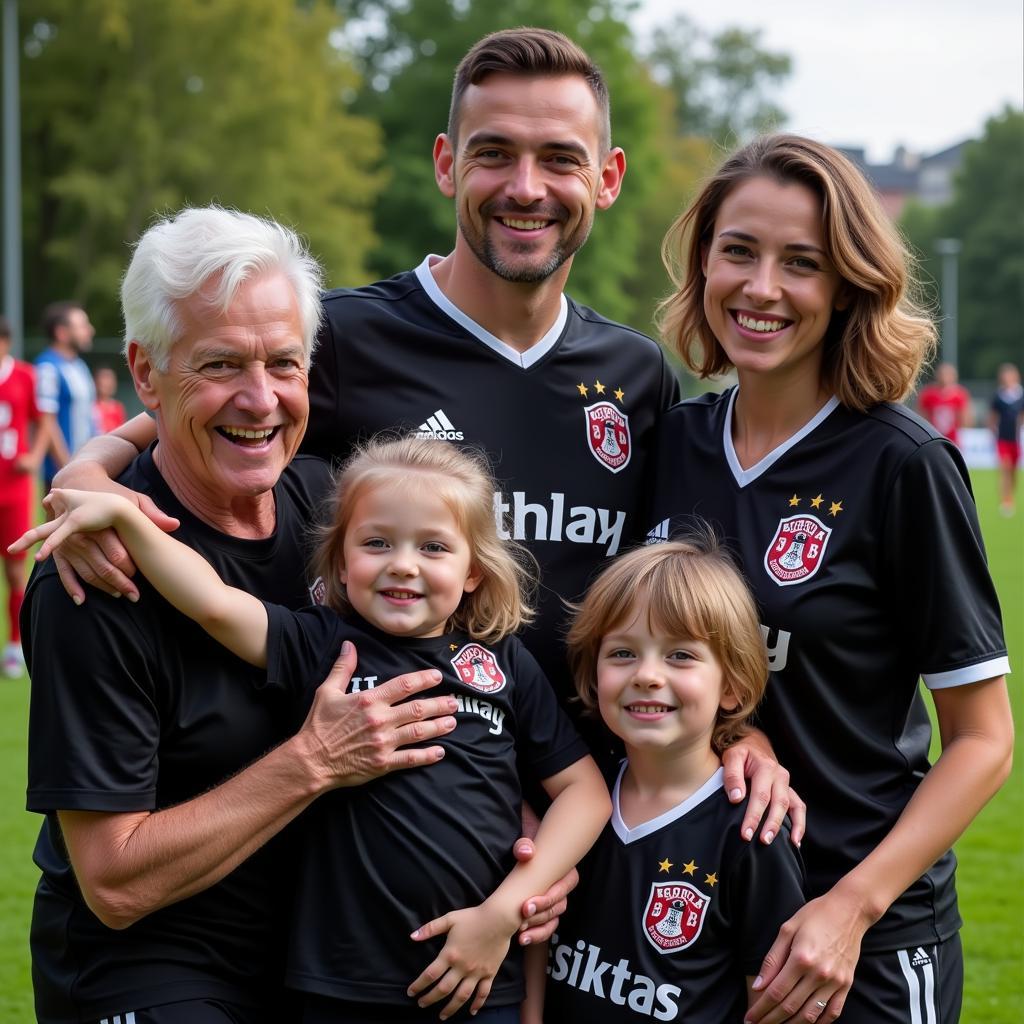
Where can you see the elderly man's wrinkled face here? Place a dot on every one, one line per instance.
(232, 405)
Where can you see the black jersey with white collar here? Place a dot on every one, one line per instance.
(860, 540)
(568, 425)
(380, 859)
(671, 916)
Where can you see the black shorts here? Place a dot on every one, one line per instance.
(920, 985)
(324, 1010)
(194, 1011)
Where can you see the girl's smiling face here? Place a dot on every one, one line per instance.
(406, 561)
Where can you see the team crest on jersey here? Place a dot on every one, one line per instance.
(608, 435)
(318, 591)
(477, 667)
(797, 549)
(674, 915)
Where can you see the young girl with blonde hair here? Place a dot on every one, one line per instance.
(414, 573)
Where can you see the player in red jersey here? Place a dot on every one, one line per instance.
(19, 418)
(945, 403)
(107, 410)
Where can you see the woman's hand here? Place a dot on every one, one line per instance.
(753, 758)
(808, 971)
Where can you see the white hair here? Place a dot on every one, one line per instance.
(214, 250)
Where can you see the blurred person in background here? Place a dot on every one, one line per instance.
(64, 387)
(22, 443)
(945, 403)
(108, 411)
(1005, 419)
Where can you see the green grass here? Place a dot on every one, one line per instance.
(991, 854)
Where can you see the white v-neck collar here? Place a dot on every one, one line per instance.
(745, 476)
(631, 835)
(6, 367)
(513, 355)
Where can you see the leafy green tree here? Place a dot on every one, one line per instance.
(409, 51)
(136, 108)
(987, 216)
(721, 83)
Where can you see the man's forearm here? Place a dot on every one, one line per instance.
(131, 865)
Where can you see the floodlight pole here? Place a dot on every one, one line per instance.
(11, 170)
(949, 250)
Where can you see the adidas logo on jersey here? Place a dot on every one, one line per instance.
(438, 425)
(583, 968)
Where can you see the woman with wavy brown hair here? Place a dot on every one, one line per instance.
(856, 528)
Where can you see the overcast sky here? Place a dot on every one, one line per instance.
(879, 73)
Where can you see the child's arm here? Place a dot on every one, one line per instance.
(231, 616)
(478, 937)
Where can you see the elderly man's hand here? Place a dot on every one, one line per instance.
(350, 738)
(99, 559)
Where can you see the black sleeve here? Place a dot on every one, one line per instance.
(301, 648)
(669, 386)
(94, 723)
(935, 567)
(324, 390)
(546, 741)
(763, 889)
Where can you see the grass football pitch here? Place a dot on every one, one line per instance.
(991, 854)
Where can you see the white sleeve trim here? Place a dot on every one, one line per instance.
(967, 674)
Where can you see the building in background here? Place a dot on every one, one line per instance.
(926, 178)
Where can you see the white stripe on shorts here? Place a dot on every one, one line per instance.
(914, 1003)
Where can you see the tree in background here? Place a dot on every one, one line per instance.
(136, 108)
(130, 109)
(987, 216)
(721, 83)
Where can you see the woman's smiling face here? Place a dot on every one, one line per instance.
(770, 287)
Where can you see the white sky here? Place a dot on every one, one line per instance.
(879, 73)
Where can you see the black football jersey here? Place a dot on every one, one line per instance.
(568, 425)
(860, 540)
(135, 708)
(671, 916)
(380, 859)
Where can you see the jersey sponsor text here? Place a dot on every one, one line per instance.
(582, 968)
(776, 642)
(547, 521)
(465, 704)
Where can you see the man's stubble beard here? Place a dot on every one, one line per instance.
(486, 252)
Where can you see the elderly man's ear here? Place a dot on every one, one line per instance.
(142, 370)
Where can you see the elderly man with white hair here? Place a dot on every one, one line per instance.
(138, 718)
